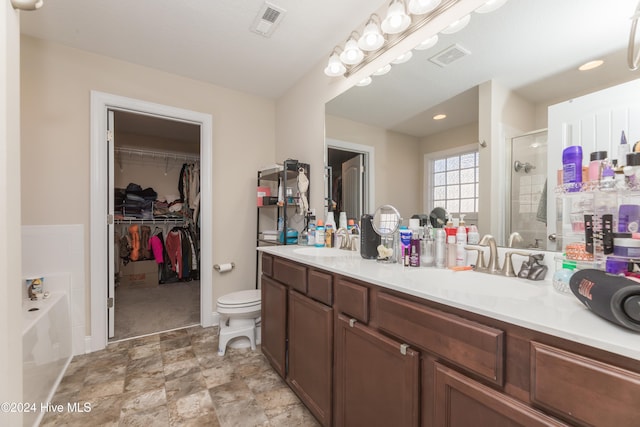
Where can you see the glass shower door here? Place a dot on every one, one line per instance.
(528, 202)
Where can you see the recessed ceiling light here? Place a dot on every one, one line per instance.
(439, 116)
(591, 65)
(383, 70)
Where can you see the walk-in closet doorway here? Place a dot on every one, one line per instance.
(155, 276)
(115, 159)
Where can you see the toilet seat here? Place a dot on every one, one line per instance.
(240, 299)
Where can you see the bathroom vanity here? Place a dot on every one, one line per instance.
(366, 343)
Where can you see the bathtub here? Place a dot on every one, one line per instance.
(46, 349)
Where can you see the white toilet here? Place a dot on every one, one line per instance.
(239, 318)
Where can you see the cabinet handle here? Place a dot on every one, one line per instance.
(403, 349)
(352, 322)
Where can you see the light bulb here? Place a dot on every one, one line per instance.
(335, 67)
(420, 7)
(352, 54)
(397, 19)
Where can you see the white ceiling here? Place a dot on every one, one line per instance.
(207, 40)
(530, 46)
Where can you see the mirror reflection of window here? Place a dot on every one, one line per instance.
(454, 182)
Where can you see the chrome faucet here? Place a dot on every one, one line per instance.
(494, 261)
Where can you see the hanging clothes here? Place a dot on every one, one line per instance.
(173, 243)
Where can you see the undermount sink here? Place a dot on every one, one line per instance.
(321, 252)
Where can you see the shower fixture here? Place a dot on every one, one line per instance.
(518, 166)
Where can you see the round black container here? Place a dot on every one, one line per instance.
(615, 298)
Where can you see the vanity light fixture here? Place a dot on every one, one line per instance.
(27, 4)
(490, 6)
(439, 116)
(352, 55)
(382, 70)
(457, 25)
(420, 7)
(403, 58)
(335, 67)
(364, 82)
(591, 65)
(372, 39)
(428, 43)
(397, 19)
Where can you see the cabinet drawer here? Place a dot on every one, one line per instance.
(352, 299)
(470, 345)
(267, 265)
(584, 390)
(320, 287)
(291, 274)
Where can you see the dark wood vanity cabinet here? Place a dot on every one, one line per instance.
(377, 378)
(274, 323)
(297, 332)
(378, 357)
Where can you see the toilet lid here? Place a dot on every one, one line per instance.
(240, 298)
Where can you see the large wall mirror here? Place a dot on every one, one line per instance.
(526, 53)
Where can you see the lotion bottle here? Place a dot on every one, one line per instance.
(319, 242)
(441, 248)
(461, 241)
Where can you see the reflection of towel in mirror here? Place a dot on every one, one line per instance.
(541, 214)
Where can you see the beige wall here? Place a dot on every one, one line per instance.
(56, 85)
(462, 135)
(398, 167)
(10, 237)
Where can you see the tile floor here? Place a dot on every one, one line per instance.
(176, 378)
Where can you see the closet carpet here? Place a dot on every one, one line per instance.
(143, 311)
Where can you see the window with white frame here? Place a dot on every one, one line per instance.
(453, 182)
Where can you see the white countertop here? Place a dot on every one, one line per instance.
(529, 304)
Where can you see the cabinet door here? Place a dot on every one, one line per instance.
(376, 384)
(311, 354)
(274, 323)
(462, 402)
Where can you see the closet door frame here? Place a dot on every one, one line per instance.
(101, 103)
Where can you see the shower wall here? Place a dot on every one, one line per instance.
(528, 205)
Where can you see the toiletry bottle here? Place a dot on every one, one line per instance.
(328, 235)
(461, 241)
(572, 167)
(311, 234)
(595, 165)
(427, 252)
(342, 221)
(462, 223)
(632, 170)
(473, 237)
(405, 245)
(441, 249)
(414, 256)
(450, 232)
(319, 242)
(623, 150)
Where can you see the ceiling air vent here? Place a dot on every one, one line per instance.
(267, 19)
(449, 55)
